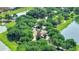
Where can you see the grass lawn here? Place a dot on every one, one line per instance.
(77, 47)
(10, 24)
(64, 25)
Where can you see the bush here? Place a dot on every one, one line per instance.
(77, 19)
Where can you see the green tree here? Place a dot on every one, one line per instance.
(70, 43)
(37, 13)
(26, 35)
(77, 19)
(13, 34)
(40, 45)
(76, 10)
(24, 22)
(8, 17)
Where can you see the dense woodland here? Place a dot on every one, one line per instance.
(37, 30)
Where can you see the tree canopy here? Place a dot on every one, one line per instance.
(32, 24)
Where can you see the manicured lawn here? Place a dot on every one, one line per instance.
(10, 24)
(77, 47)
(64, 25)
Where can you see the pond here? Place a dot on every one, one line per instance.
(72, 31)
(22, 13)
(3, 47)
(2, 29)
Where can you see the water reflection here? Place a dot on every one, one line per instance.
(72, 31)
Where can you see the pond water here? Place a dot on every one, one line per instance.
(2, 29)
(72, 31)
(3, 47)
(22, 13)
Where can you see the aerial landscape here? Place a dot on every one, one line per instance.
(39, 28)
